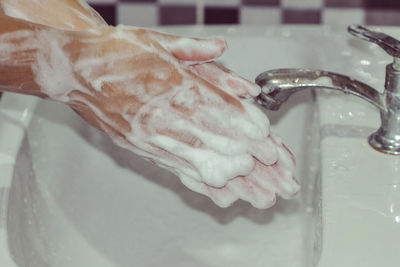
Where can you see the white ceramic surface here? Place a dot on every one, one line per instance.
(72, 198)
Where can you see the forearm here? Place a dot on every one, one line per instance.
(26, 49)
(62, 14)
(16, 63)
(18, 49)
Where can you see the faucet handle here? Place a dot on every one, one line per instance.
(387, 138)
(386, 42)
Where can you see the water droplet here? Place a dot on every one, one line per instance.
(365, 62)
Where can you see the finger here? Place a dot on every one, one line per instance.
(191, 49)
(286, 185)
(245, 188)
(223, 197)
(278, 176)
(264, 151)
(248, 189)
(226, 79)
(277, 140)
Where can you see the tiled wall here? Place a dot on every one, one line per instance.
(250, 12)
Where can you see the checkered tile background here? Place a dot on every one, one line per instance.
(150, 13)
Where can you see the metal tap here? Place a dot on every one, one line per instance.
(278, 85)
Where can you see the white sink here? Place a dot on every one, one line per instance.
(70, 197)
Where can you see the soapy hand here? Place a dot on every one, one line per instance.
(146, 93)
(162, 97)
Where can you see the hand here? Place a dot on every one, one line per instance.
(153, 94)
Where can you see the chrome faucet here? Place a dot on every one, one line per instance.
(278, 85)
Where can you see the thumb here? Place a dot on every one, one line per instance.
(194, 50)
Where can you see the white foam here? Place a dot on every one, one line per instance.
(191, 46)
(53, 71)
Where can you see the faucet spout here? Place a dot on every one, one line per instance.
(278, 85)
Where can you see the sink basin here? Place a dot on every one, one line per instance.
(70, 197)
